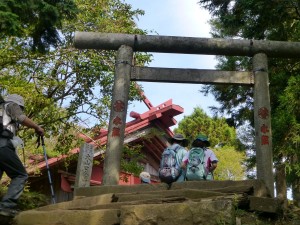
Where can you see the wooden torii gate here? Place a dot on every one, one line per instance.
(126, 44)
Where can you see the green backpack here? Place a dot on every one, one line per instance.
(196, 166)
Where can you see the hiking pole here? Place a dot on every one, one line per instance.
(48, 170)
(24, 161)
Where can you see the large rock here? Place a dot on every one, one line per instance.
(188, 213)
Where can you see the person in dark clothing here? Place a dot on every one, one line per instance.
(11, 113)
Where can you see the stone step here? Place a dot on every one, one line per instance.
(161, 201)
(119, 205)
(269, 205)
(160, 196)
(69, 217)
(86, 202)
(205, 212)
(185, 193)
(256, 187)
(194, 202)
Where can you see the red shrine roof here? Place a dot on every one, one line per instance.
(160, 116)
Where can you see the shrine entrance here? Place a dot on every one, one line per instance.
(125, 72)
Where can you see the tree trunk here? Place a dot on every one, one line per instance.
(281, 188)
(296, 192)
(296, 184)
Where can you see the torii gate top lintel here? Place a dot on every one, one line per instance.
(186, 45)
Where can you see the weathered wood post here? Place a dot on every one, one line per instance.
(117, 121)
(84, 165)
(262, 120)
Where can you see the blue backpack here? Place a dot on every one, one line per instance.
(195, 169)
(169, 170)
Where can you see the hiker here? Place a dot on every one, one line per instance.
(170, 166)
(145, 178)
(11, 114)
(200, 162)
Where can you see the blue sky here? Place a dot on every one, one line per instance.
(175, 18)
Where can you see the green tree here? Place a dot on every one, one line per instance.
(271, 20)
(66, 89)
(38, 22)
(131, 157)
(216, 129)
(287, 134)
(231, 164)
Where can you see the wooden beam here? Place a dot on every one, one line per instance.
(186, 45)
(192, 76)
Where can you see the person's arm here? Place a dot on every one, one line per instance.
(17, 114)
(183, 164)
(29, 123)
(213, 166)
(213, 161)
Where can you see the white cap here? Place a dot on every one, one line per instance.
(16, 99)
(145, 177)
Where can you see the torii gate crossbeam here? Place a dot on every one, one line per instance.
(186, 45)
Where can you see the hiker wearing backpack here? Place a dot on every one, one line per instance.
(170, 166)
(11, 115)
(200, 162)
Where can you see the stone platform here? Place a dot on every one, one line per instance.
(186, 203)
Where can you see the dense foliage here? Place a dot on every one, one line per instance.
(231, 164)
(130, 162)
(66, 90)
(37, 21)
(219, 132)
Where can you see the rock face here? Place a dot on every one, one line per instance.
(187, 203)
(203, 212)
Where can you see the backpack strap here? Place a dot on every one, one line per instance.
(177, 148)
(1, 116)
(4, 132)
(178, 164)
(4, 109)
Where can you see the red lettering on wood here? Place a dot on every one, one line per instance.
(116, 132)
(264, 140)
(264, 128)
(117, 121)
(119, 106)
(263, 113)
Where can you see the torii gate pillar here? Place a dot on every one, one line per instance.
(262, 121)
(117, 121)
